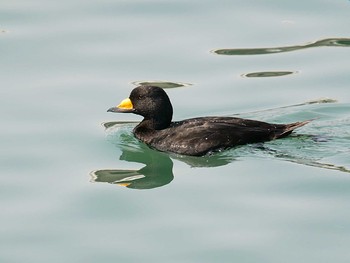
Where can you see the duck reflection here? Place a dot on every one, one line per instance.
(158, 170)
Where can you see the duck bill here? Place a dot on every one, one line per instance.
(125, 106)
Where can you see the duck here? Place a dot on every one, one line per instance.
(196, 136)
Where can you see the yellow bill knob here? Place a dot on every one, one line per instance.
(126, 104)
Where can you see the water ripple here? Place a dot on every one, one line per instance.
(328, 42)
(266, 74)
(161, 84)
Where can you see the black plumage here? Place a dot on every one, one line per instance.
(195, 136)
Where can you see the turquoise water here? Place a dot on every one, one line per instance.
(64, 159)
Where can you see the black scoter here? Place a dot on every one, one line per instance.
(195, 136)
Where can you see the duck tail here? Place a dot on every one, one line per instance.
(289, 128)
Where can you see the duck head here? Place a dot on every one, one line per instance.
(151, 102)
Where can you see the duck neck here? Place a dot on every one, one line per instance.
(155, 123)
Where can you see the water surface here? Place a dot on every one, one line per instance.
(77, 187)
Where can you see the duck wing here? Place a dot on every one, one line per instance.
(199, 136)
